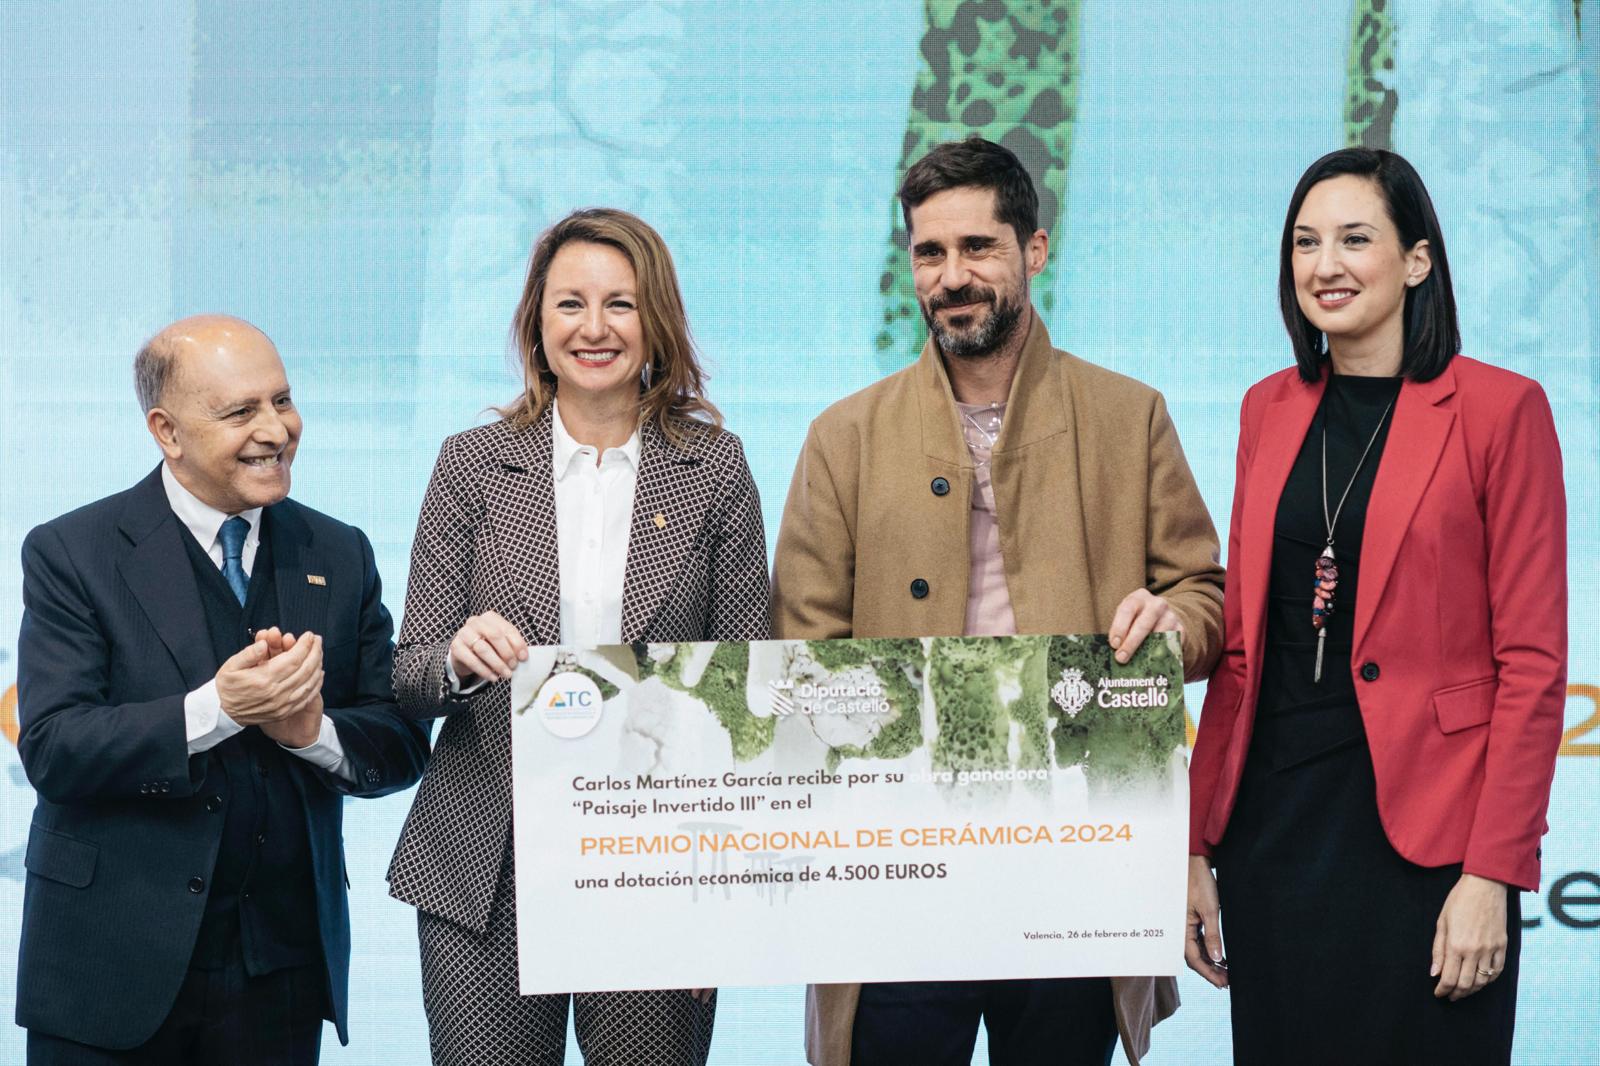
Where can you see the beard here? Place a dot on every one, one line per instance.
(976, 338)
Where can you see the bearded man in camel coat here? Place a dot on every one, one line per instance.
(995, 486)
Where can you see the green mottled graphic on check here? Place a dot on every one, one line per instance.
(962, 706)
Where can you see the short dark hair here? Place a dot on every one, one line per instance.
(979, 164)
(1432, 334)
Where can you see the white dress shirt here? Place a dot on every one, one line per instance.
(594, 515)
(206, 724)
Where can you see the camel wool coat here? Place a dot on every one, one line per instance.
(1094, 500)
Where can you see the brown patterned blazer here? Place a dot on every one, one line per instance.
(486, 540)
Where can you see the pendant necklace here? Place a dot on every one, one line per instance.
(987, 427)
(982, 430)
(1322, 590)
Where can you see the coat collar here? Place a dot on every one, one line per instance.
(1415, 442)
(1036, 407)
(158, 572)
(523, 524)
(1283, 426)
(668, 510)
(302, 601)
(661, 532)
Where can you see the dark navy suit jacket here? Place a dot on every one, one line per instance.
(122, 845)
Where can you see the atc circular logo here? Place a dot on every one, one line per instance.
(568, 705)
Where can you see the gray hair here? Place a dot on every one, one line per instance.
(153, 370)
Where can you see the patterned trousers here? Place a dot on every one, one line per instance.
(477, 1018)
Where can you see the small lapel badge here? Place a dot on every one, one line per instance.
(316, 579)
(661, 521)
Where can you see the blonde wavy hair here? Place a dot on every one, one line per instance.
(672, 392)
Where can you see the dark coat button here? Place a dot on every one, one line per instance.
(1369, 671)
(261, 838)
(214, 804)
(919, 589)
(197, 885)
(941, 487)
(144, 788)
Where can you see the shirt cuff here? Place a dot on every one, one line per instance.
(204, 723)
(456, 688)
(326, 752)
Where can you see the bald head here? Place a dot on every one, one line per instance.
(160, 360)
(216, 400)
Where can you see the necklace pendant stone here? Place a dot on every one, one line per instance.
(1323, 588)
(1322, 591)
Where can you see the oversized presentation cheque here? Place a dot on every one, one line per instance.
(785, 811)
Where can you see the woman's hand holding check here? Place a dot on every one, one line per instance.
(487, 646)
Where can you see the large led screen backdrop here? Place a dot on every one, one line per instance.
(364, 179)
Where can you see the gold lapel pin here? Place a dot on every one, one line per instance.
(661, 521)
(316, 579)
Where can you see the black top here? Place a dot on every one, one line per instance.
(1349, 412)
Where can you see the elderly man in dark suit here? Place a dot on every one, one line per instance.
(204, 674)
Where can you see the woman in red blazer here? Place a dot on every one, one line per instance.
(1375, 754)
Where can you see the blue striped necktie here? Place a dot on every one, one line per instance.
(233, 532)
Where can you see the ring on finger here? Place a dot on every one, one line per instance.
(1485, 973)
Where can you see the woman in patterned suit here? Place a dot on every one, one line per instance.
(607, 505)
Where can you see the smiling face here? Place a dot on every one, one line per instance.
(970, 274)
(226, 422)
(589, 324)
(1351, 272)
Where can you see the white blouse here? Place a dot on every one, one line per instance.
(594, 514)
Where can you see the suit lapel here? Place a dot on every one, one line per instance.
(302, 604)
(1416, 441)
(522, 517)
(1277, 444)
(161, 578)
(669, 507)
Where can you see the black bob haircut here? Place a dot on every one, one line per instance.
(1432, 335)
(978, 164)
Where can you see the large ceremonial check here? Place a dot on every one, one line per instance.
(785, 811)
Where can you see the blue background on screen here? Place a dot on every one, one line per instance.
(364, 180)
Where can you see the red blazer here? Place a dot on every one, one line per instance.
(1460, 654)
